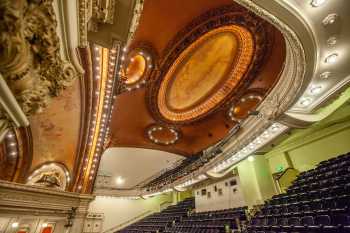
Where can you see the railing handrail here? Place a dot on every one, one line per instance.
(132, 220)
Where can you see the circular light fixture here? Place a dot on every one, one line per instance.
(317, 3)
(329, 19)
(14, 224)
(315, 89)
(136, 67)
(237, 112)
(174, 134)
(275, 128)
(305, 102)
(332, 41)
(325, 75)
(120, 180)
(331, 58)
(251, 158)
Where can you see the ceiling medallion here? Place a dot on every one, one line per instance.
(210, 62)
(244, 107)
(163, 135)
(198, 81)
(136, 67)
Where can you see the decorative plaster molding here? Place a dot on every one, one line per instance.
(19, 198)
(102, 13)
(322, 131)
(83, 19)
(294, 78)
(279, 100)
(31, 62)
(232, 18)
(135, 20)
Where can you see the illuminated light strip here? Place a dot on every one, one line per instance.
(120, 197)
(191, 181)
(272, 132)
(156, 193)
(104, 75)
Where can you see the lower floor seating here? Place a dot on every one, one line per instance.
(318, 201)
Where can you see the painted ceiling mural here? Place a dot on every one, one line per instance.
(207, 65)
(54, 138)
(207, 81)
(179, 84)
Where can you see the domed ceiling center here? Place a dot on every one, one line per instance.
(202, 71)
(205, 73)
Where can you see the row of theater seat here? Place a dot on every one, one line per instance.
(178, 218)
(158, 222)
(318, 201)
(210, 222)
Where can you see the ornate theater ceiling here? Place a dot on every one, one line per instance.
(190, 78)
(209, 81)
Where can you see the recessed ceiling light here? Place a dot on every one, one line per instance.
(120, 180)
(325, 75)
(331, 58)
(315, 89)
(305, 102)
(274, 128)
(332, 40)
(251, 158)
(329, 19)
(14, 224)
(317, 3)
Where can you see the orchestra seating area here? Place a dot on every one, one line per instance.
(318, 201)
(210, 222)
(178, 218)
(159, 221)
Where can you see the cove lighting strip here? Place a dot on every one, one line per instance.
(270, 133)
(191, 181)
(157, 193)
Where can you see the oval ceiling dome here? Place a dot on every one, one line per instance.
(205, 73)
(201, 72)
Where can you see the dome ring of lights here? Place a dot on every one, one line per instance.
(136, 66)
(163, 135)
(244, 107)
(178, 93)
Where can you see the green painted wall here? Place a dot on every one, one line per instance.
(264, 178)
(184, 195)
(249, 183)
(256, 180)
(307, 147)
(303, 150)
(118, 211)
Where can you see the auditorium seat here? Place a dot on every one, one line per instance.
(318, 201)
(178, 218)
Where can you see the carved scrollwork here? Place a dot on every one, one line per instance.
(30, 58)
